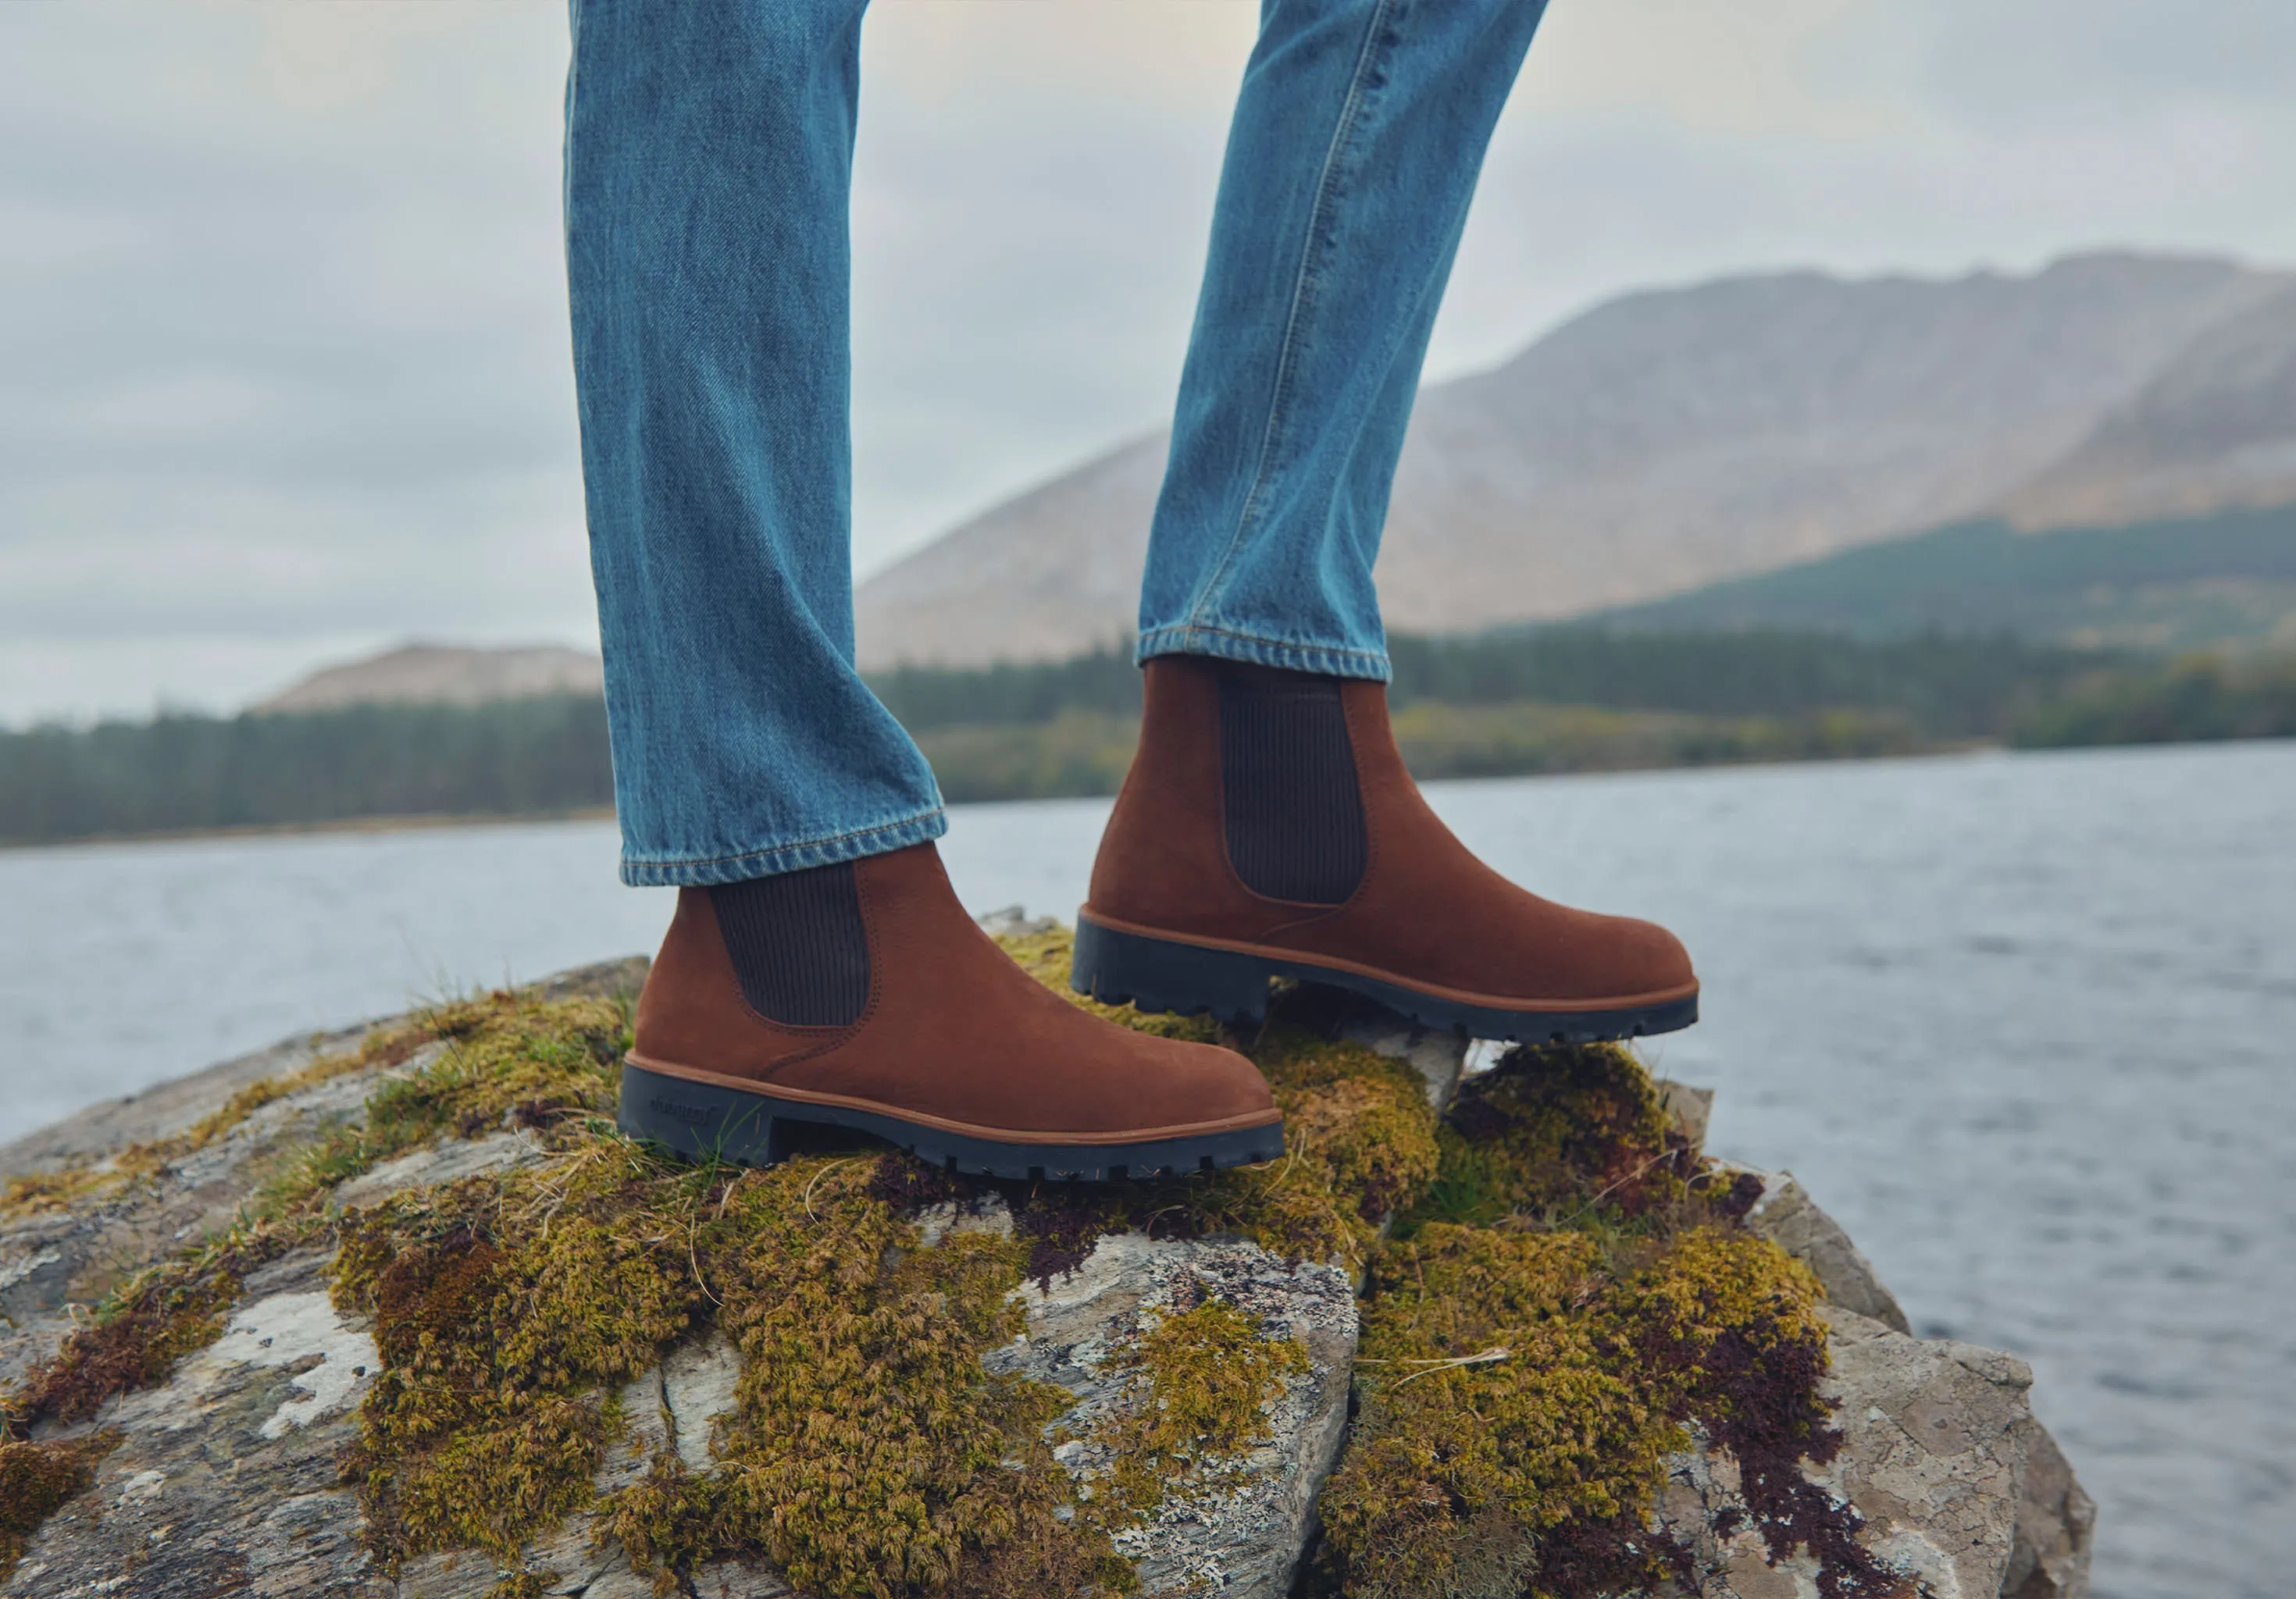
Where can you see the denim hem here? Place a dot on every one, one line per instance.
(1332, 661)
(702, 872)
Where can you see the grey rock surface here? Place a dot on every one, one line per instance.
(697, 1388)
(1241, 1531)
(2056, 1526)
(1689, 1109)
(1439, 1058)
(1786, 1216)
(1936, 1436)
(439, 1164)
(2051, 1522)
(225, 1481)
(164, 1109)
(53, 1260)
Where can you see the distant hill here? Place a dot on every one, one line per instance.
(2216, 426)
(1673, 438)
(2173, 584)
(444, 675)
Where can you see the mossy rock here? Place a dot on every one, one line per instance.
(484, 1298)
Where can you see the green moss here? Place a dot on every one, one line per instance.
(1363, 1117)
(506, 1310)
(1568, 1296)
(41, 1191)
(1514, 1383)
(1359, 1142)
(306, 1177)
(510, 1060)
(1558, 1135)
(510, 1057)
(35, 1481)
(1203, 1379)
(869, 1451)
(383, 1047)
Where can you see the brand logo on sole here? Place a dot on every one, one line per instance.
(693, 1114)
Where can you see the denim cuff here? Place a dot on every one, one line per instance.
(1330, 660)
(768, 859)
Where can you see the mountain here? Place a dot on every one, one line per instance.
(1051, 574)
(2224, 577)
(1672, 439)
(2216, 426)
(443, 674)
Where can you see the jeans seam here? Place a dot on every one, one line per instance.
(1181, 634)
(822, 841)
(1303, 294)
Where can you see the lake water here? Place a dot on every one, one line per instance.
(2023, 1023)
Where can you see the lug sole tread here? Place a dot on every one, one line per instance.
(1167, 977)
(700, 1122)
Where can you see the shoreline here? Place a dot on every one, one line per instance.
(605, 813)
(444, 820)
(416, 823)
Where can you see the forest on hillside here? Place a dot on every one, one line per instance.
(1948, 685)
(182, 772)
(1557, 700)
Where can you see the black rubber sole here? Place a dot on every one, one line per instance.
(1161, 974)
(703, 1121)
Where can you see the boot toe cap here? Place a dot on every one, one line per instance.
(1651, 960)
(1205, 1082)
(1583, 957)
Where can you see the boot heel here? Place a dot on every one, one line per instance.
(1157, 974)
(701, 1121)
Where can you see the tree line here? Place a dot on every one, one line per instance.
(185, 772)
(1556, 699)
(1949, 685)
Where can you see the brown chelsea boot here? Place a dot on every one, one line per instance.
(861, 996)
(1267, 828)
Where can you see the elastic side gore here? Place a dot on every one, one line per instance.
(1292, 808)
(798, 945)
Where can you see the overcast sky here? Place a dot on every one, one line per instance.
(283, 370)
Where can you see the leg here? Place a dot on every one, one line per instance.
(819, 968)
(1354, 152)
(709, 155)
(1268, 827)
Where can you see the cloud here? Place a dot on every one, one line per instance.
(2040, 62)
(284, 361)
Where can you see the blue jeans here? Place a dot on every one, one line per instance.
(708, 159)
